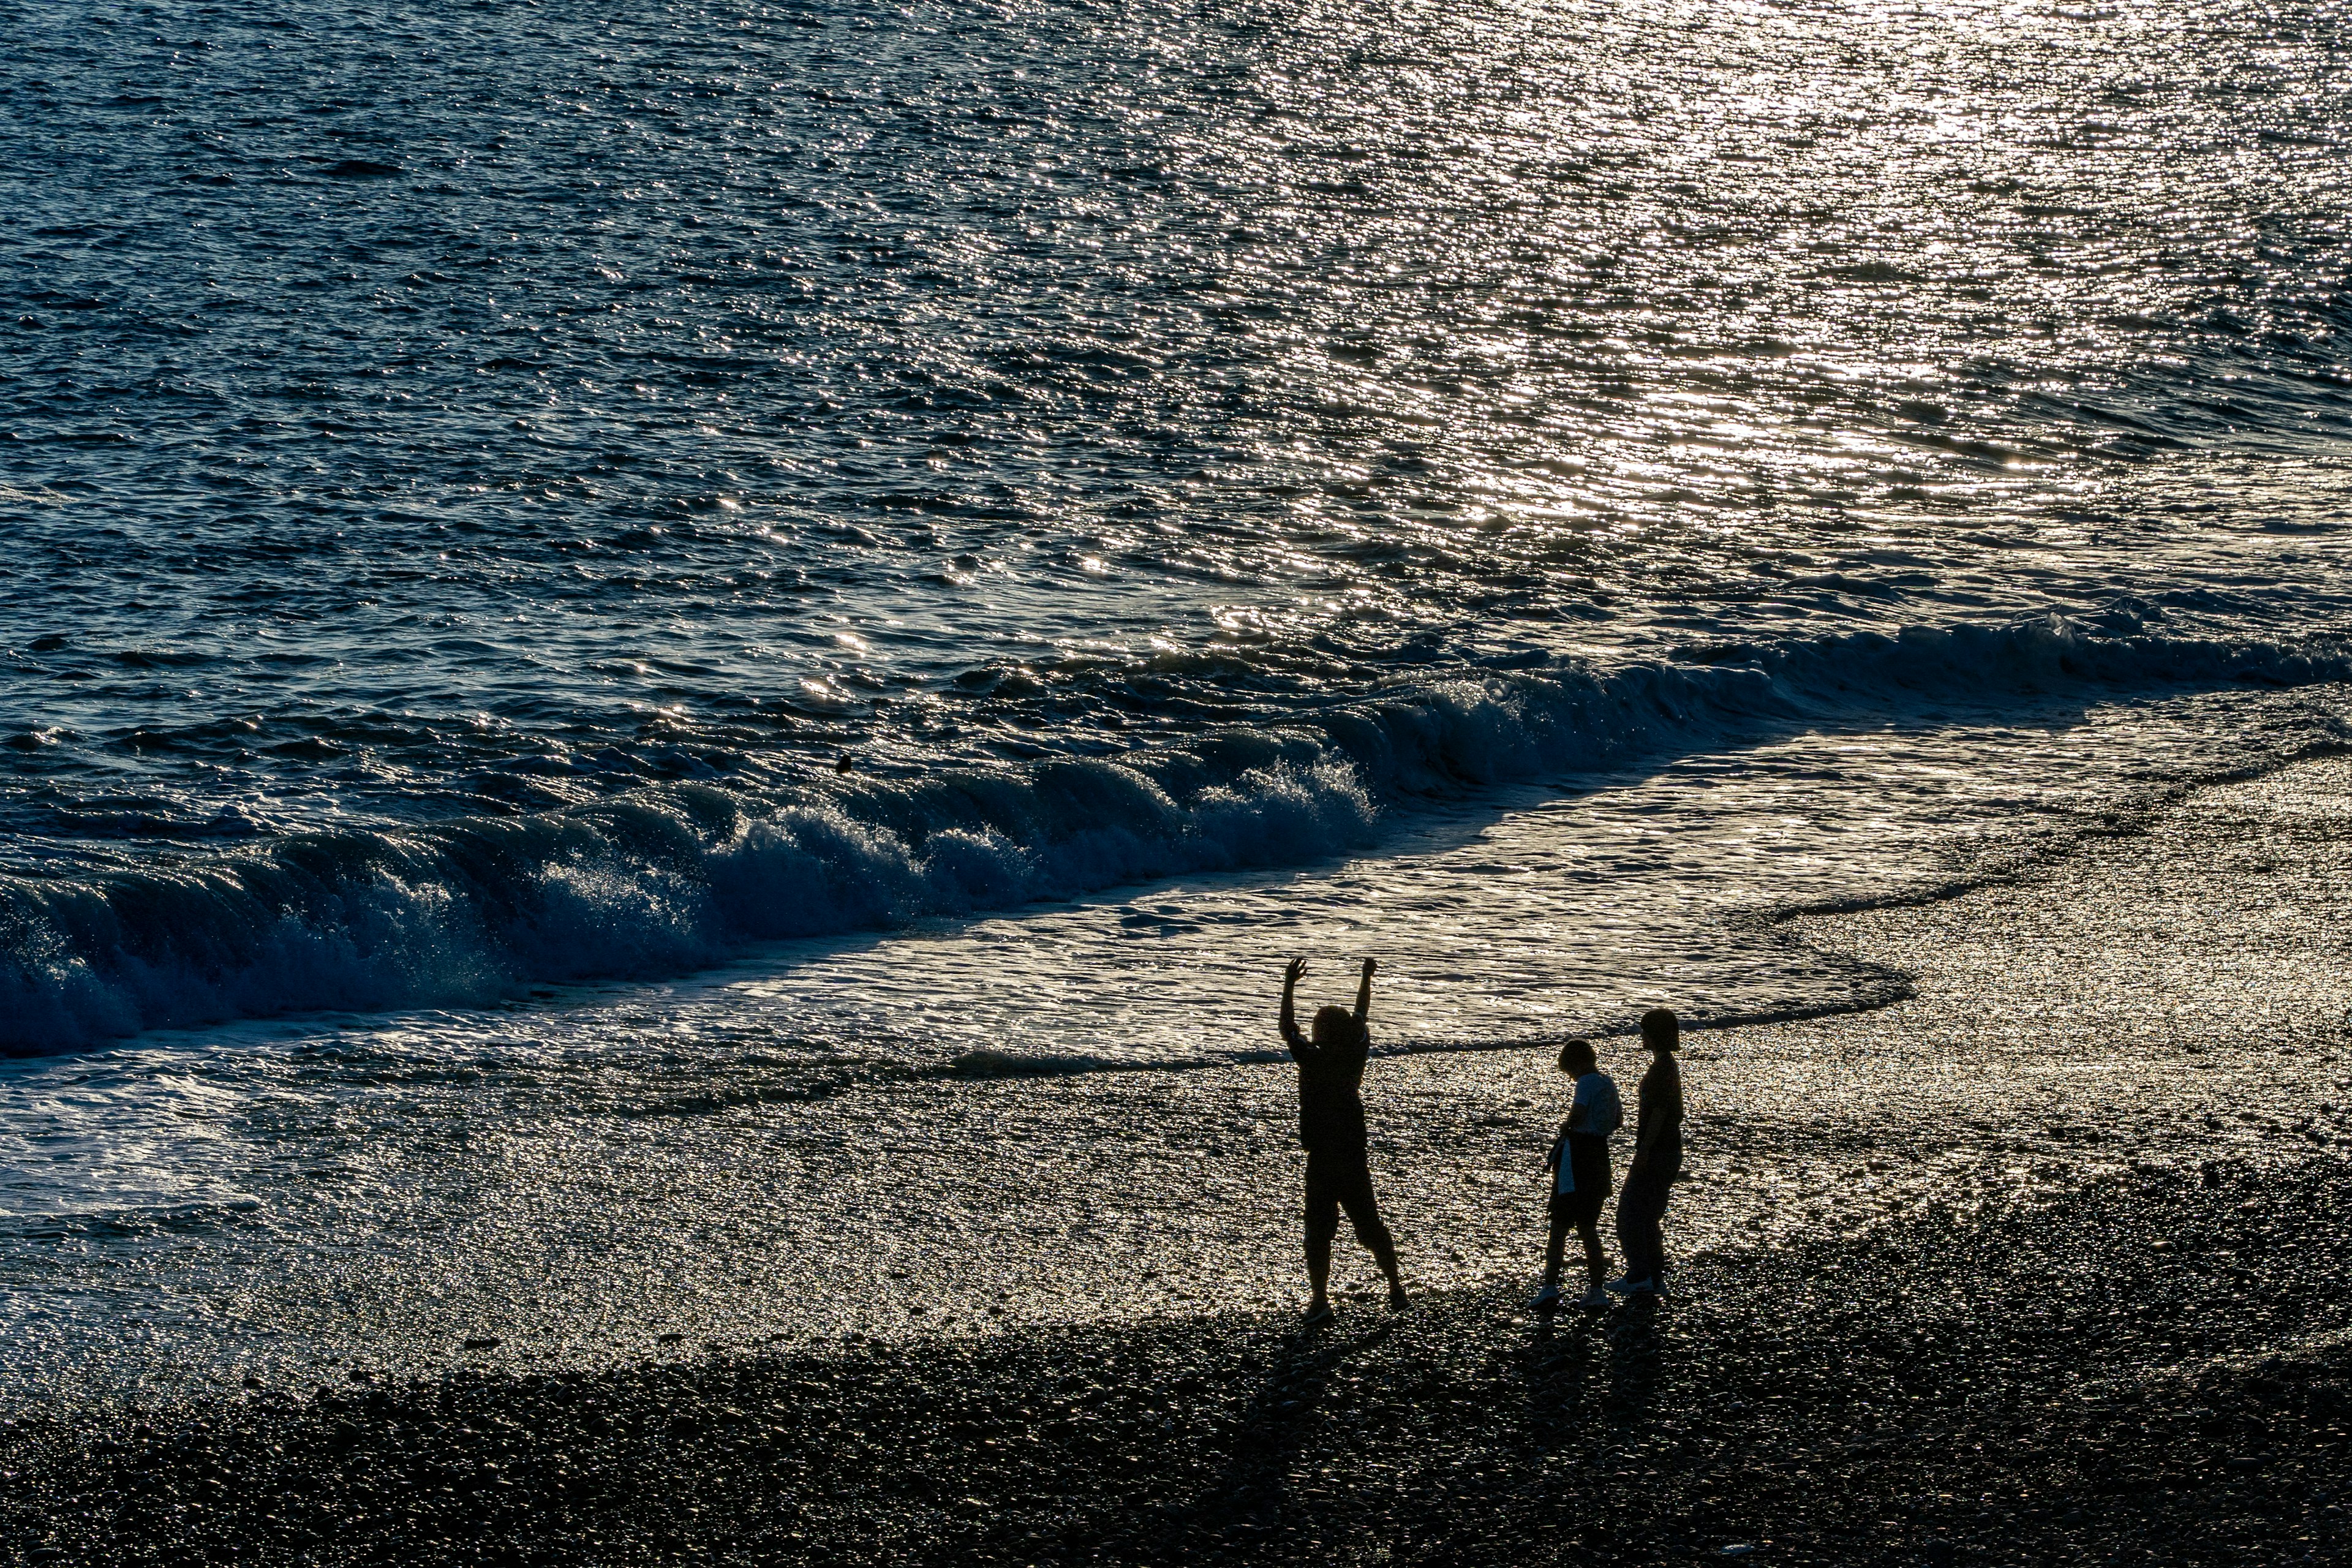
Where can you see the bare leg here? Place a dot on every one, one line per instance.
(1364, 1214)
(1555, 1253)
(1383, 1248)
(1318, 1276)
(1594, 1262)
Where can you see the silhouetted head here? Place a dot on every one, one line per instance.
(1577, 1058)
(1336, 1027)
(1661, 1030)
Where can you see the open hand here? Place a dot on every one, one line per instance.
(1297, 967)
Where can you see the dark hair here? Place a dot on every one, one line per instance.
(1577, 1051)
(1334, 1025)
(1661, 1030)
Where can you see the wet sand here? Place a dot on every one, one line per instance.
(2044, 1263)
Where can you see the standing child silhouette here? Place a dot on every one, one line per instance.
(1579, 1166)
(1331, 1126)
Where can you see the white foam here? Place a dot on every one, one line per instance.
(675, 877)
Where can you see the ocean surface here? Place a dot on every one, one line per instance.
(702, 553)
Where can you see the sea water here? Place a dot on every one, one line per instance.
(705, 551)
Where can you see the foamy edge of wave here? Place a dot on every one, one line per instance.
(677, 877)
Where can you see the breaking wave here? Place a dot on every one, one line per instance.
(676, 876)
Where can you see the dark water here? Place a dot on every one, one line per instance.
(472, 475)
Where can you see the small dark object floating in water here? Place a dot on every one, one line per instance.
(846, 763)
(360, 169)
(484, 1344)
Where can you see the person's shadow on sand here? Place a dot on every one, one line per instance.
(1637, 1365)
(1591, 1381)
(1250, 1495)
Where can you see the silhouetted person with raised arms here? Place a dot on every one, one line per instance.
(1331, 1126)
(1657, 1160)
(1579, 1163)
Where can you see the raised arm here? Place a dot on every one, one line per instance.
(1290, 1035)
(1364, 993)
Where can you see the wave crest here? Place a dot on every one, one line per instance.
(677, 876)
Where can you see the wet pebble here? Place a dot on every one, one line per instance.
(1942, 1393)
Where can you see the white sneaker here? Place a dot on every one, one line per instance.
(1546, 1300)
(1625, 1286)
(1595, 1299)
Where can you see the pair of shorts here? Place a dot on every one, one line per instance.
(1580, 1208)
(1588, 1165)
(1341, 1180)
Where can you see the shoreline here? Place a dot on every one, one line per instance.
(2084, 705)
